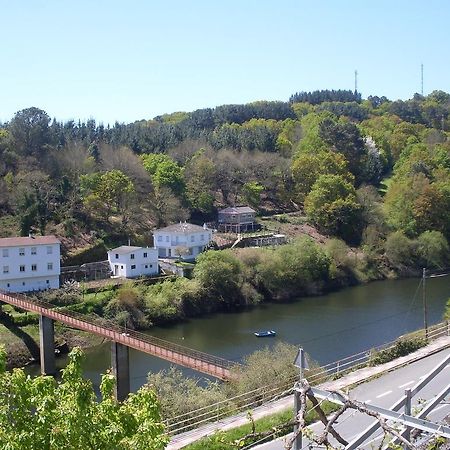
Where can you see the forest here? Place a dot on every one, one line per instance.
(373, 173)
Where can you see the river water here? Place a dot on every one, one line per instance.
(329, 327)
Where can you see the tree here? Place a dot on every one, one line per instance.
(307, 167)
(400, 251)
(30, 131)
(332, 206)
(346, 138)
(433, 249)
(295, 269)
(41, 413)
(252, 193)
(110, 192)
(219, 275)
(200, 176)
(165, 172)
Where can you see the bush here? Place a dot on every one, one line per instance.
(127, 307)
(400, 250)
(294, 269)
(402, 347)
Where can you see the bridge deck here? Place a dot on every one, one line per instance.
(178, 354)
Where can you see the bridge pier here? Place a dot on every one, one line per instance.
(47, 345)
(120, 362)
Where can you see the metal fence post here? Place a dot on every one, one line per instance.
(407, 412)
(297, 444)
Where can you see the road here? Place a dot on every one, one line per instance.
(385, 391)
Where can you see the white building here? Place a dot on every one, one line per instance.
(181, 240)
(29, 263)
(130, 262)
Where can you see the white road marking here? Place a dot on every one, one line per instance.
(367, 401)
(422, 377)
(384, 394)
(406, 384)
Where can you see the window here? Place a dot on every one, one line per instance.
(47, 281)
(9, 285)
(151, 265)
(159, 238)
(5, 253)
(133, 266)
(23, 283)
(33, 250)
(117, 256)
(5, 269)
(22, 268)
(49, 250)
(192, 238)
(145, 255)
(132, 256)
(121, 267)
(49, 266)
(21, 251)
(146, 266)
(33, 267)
(167, 238)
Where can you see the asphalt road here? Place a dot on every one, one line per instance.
(385, 391)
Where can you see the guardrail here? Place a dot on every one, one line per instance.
(274, 391)
(176, 353)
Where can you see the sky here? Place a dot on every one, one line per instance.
(136, 59)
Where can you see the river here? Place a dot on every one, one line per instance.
(328, 327)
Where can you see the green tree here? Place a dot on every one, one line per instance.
(346, 138)
(219, 274)
(251, 192)
(307, 167)
(30, 131)
(164, 171)
(41, 413)
(110, 192)
(200, 175)
(400, 250)
(332, 206)
(433, 249)
(294, 269)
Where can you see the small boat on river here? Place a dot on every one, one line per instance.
(268, 333)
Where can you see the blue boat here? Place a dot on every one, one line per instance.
(268, 333)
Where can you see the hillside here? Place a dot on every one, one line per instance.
(372, 172)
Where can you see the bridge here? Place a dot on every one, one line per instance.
(122, 339)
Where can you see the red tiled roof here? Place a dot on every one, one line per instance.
(34, 240)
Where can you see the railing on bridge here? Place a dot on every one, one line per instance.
(179, 354)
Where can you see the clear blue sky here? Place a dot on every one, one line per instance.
(128, 60)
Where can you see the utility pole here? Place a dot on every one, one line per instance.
(356, 81)
(424, 301)
(421, 78)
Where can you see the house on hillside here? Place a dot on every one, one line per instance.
(236, 219)
(130, 262)
(29, 263)
(182, 240)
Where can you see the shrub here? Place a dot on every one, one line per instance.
(402, 347)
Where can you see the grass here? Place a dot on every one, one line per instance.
(227, 439)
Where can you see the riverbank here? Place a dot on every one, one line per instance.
(224, 282)
(18, 355)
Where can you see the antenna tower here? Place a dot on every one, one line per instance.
(356, 81)
(421, 78)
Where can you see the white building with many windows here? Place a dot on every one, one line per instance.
(181, 240)
(29, 263)
(130, 262)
